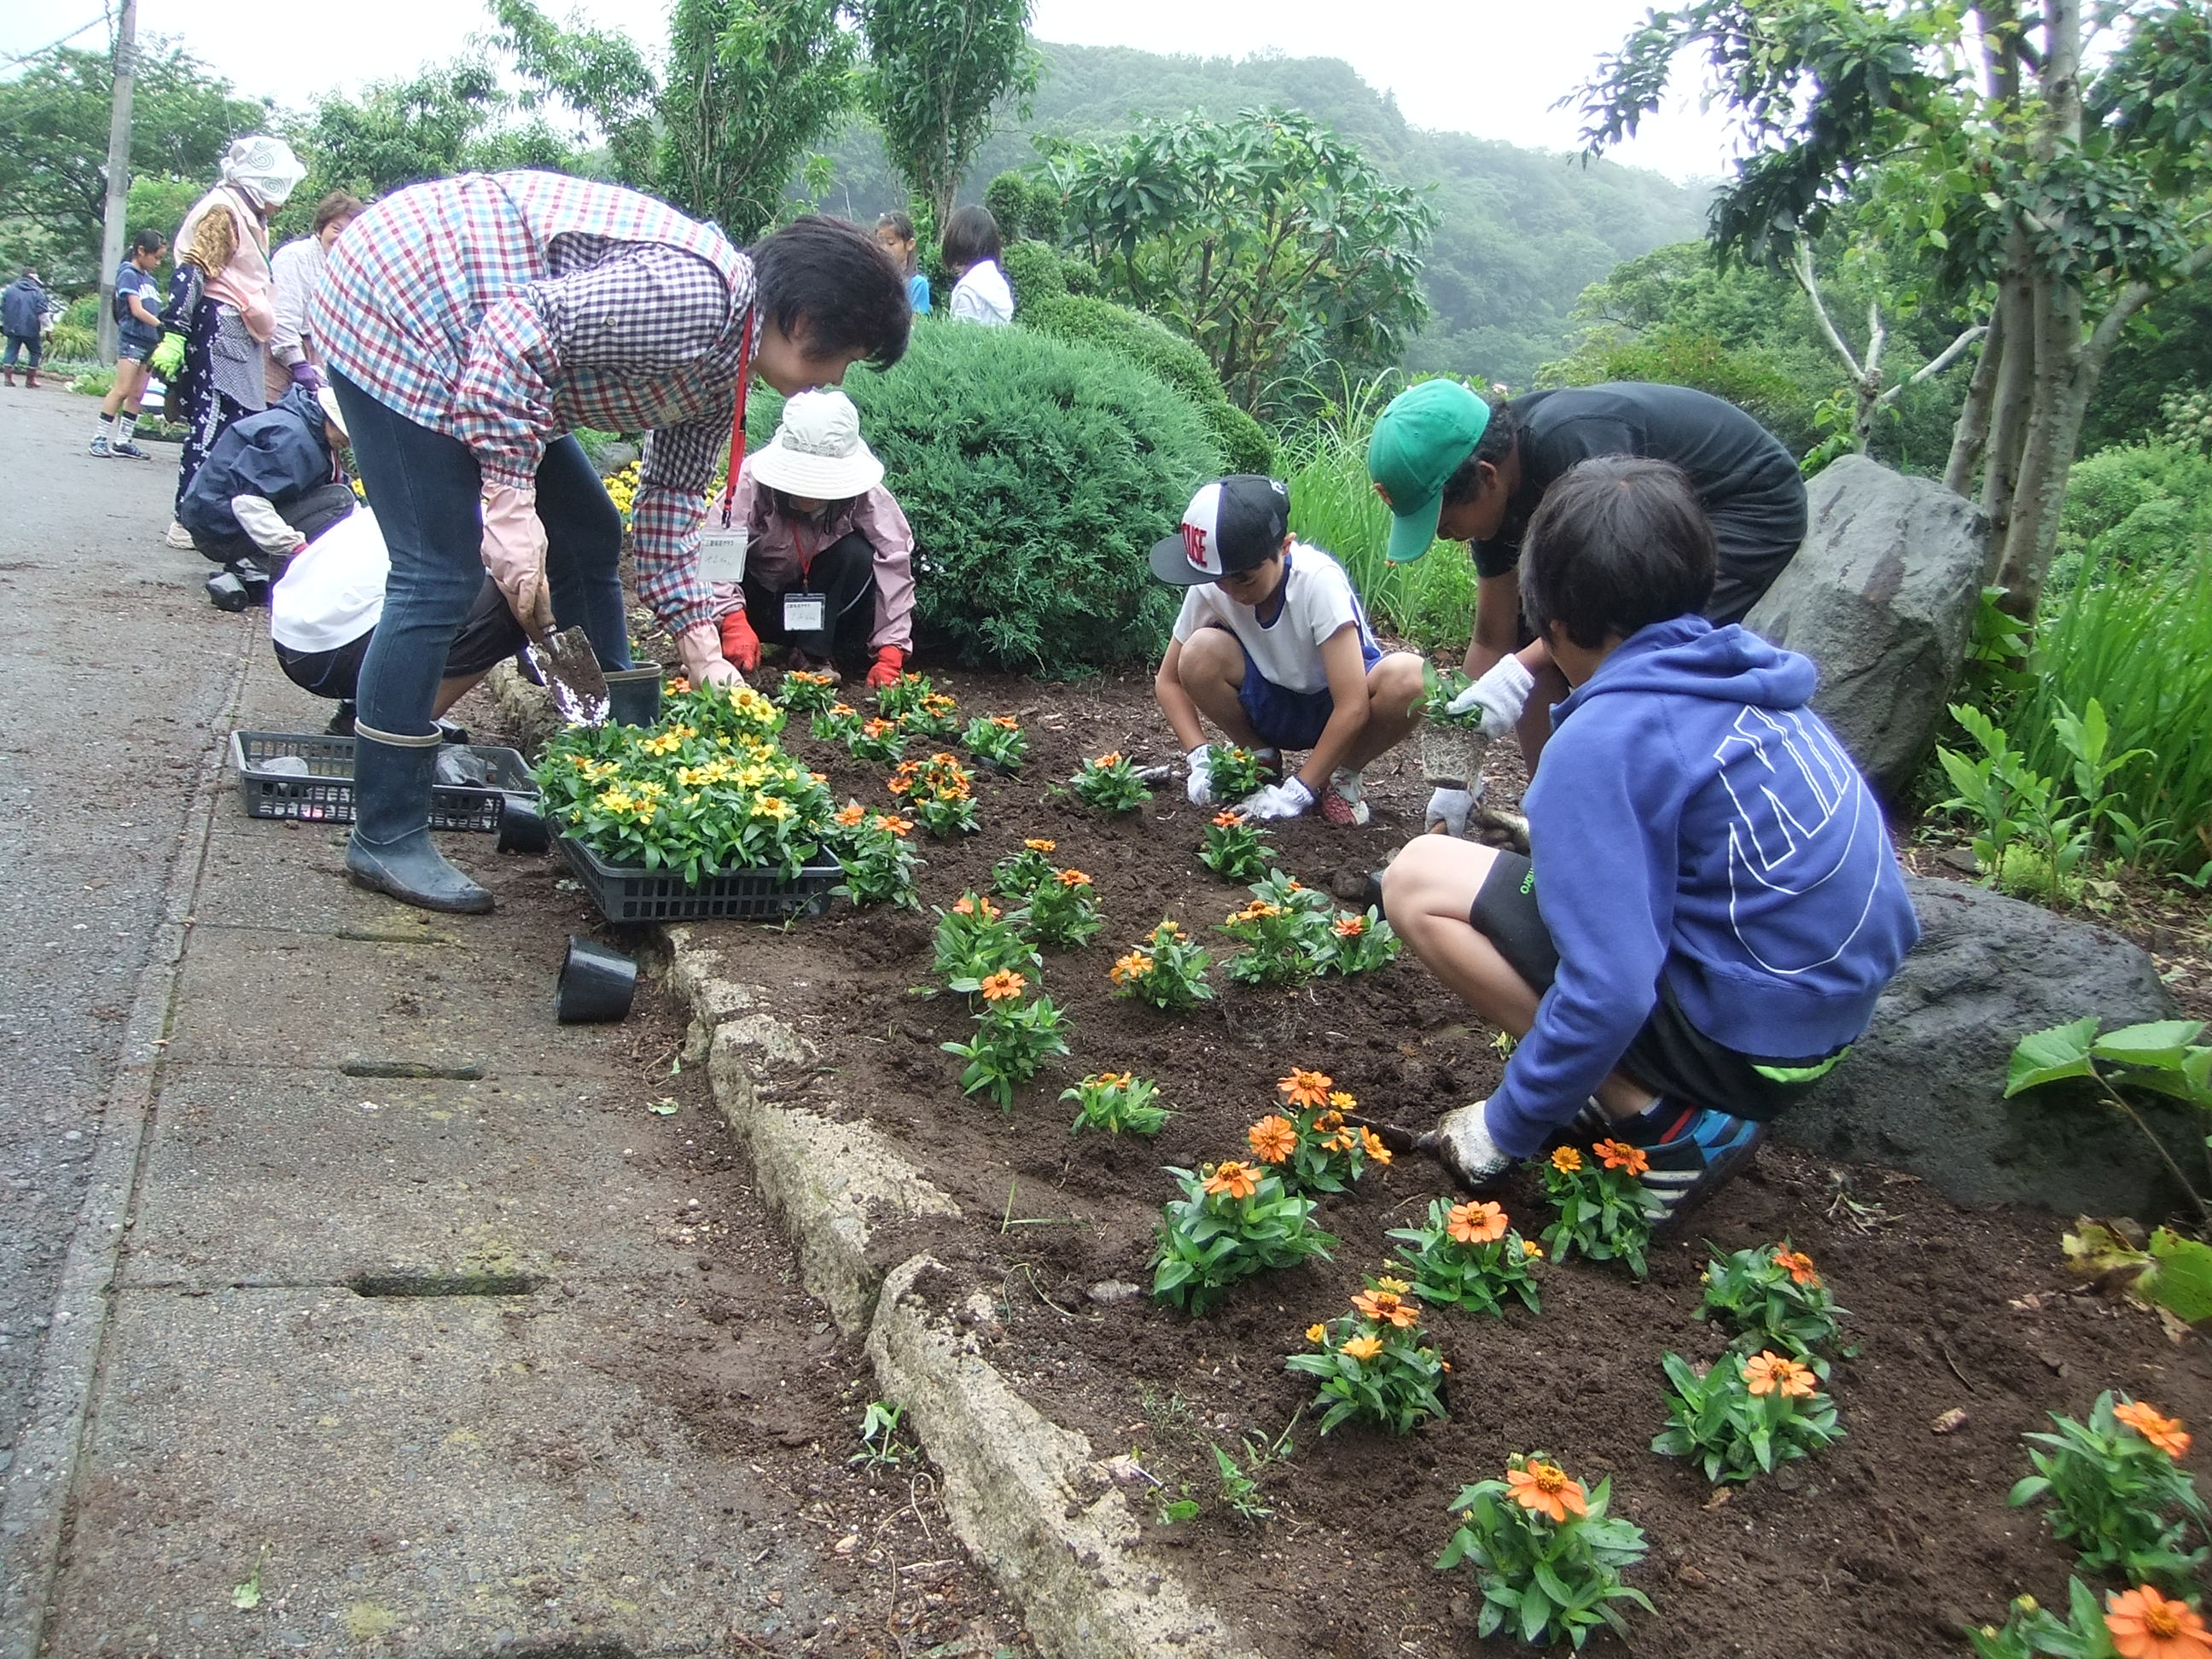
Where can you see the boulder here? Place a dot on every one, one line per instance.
(1923, 1091)
(1881, 595)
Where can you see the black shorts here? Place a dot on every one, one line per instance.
(490, 632)
(1670, 1056)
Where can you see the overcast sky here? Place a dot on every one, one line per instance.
(1482, 66)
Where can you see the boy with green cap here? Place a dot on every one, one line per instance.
(1450, 466)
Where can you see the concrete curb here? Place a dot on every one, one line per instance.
(1030, 1500)
(34, 1502)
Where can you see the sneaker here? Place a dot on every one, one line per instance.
(1693, 1151)
(99, 446)
(177, 536)
(127, 451)
(1340, 801)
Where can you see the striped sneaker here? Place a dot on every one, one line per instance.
(1693, 1151)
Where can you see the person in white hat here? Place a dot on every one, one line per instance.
(823, 537)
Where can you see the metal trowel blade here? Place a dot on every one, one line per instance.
(570, 669)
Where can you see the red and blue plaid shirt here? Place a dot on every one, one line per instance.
(507, 308)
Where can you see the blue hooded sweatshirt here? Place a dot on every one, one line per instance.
(1693, 824)
(280, 455)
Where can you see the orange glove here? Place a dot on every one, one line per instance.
(740, 643)
(891, 662)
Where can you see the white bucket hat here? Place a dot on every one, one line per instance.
(817, 452)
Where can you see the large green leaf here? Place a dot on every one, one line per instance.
(2161, 1043)
(2181, 1279)
(2046, 1056)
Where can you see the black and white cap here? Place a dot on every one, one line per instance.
(1230, 525)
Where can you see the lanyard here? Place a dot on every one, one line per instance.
(738, 421)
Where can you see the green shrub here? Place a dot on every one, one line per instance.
(1034, 270)
(68, 343)
(2137, 504)
(1144, 340)
(82, 312)
(1026, 208)
(1037, 474)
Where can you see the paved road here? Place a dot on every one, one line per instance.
(97, 756)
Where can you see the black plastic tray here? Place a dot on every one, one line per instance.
(632, 894)
(325, 795)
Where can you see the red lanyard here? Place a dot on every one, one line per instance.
(738, 421)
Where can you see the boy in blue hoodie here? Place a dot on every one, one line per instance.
(1712, 905)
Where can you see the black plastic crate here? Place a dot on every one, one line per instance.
(631, 894)
(325, 795)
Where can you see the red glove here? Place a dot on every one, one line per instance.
(740, 643)
(891, 662)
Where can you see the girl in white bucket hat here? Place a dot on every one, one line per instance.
(823, 536)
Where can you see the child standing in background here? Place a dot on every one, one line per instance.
(895, 231)
(980, 293)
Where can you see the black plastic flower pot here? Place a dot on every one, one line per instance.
(522, 826)
(596, 984)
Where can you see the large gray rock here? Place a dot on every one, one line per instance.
(1923, 1090)
(1881, 597)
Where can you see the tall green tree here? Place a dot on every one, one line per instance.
(748, 86)
(2053, 161)
(937, 71)
(53, 146)
(1267, 240)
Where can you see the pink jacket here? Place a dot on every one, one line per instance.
(243, 282)
(774, 543)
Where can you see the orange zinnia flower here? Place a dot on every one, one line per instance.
(1316, 1332)
(1545, 1488)
(876, 728)
(1351, 926)
(1800, 1266)
(1002, 985)
(1385, 1308)
(1135, 965)
(1476, 1224)
(968, 905)
(1040, 845)
(679, 684)
(2164, 1432)
(1233, 1178)
(1328, 1121)
(1111, 757)
(1363, 1348)
(1305, 1088)
(843, 708)
(1619, 1155)
(1227, 820)
(2144, 1625)
(851, 815)
(1768, 1372)
(891, 824)
(1073, 879)
(1005, 722)
(1273, 1138)
(1532, 1249)
(1567, 1161)
(1372, 1144)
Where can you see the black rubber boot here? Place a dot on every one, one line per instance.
(633, 695)
(390, 851)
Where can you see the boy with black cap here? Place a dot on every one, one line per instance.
(1272, 646)
(1448, 465)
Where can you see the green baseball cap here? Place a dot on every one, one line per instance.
(1428, 430)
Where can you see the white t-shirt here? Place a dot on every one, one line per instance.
(333, 589)
(981, 295)
(1317, 601)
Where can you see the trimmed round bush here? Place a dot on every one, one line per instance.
(1160, 350)
(1037, 474)
(1034, 270)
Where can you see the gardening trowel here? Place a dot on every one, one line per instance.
(566, 662)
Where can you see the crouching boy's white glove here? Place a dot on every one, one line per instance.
(1500, 696)
(1200, 787)
(1451, 809)
(1462, 1144)
(1286, 799)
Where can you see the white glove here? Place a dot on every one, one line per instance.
(1500, 694)
(1452, 808)
(1286, 800)
(1200, 788)
(701, 647)
(1462, 1144)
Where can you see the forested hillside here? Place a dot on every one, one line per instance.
(1520, 232)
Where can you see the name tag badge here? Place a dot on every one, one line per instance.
(806, 613)
(722, 554)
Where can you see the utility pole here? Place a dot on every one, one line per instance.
(119, 174)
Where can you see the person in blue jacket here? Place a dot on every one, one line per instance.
(266, 471)
(1711, 906)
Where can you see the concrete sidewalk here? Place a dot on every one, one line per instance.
(493, 1358)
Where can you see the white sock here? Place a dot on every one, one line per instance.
(106, 421)
(124, 427)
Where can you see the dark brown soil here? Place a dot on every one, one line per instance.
(1882, 1547)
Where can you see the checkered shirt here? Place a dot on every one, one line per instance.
(507, 308)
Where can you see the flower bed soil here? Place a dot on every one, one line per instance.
(1884, 1546)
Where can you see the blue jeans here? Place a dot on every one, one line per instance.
(424, 486)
